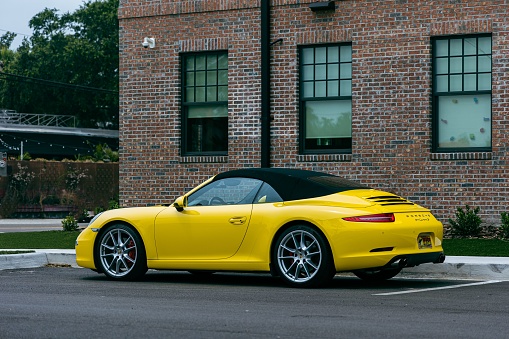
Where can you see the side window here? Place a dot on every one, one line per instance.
(229, 191)
(326, 98)
(462, 93)
(266, 195)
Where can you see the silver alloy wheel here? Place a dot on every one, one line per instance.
(118, 252)
(299, 256)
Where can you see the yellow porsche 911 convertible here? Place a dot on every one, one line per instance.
(301, 226)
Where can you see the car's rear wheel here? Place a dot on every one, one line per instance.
(302, 257)
(121, 254)
(377, 274)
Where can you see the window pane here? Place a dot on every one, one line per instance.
(442, 47)
(211, 78)
(212, 93)
(190, 79)
(320, 89)
(442, 65)
(308, 56)
(456, 47)
(333, 71)
(200, 62)
(470, 64)
(484, 82)
(207, 111)
(484, 45)
(328, 119)
(456, 83)
(200, 94)
(222, 77)
(346, 71)
(207, 134)
(190, 63)
(190, 94)
(308, 90)
(321, 72)
(332, 88)
(211, 61)
(456, 65)
(333, 54)
(222, 93)
(345, 88)
(470, 46)
(308, 72)
(320, 55)
(470, 82)
(222, 61)
(464, 121)
(346, 53)
(485, 63)
(442, 83)
(200, 78)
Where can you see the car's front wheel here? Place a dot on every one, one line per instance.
(120, 253)
(302, 258)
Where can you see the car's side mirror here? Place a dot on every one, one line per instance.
(180, 203)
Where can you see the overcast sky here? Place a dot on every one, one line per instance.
(15, 14)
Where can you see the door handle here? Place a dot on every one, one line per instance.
(237, 220)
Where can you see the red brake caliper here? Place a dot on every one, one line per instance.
(132, 253)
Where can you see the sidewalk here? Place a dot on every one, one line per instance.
(472, 268)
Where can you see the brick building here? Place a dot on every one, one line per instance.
(409, 96)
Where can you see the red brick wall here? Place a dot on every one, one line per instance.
(391, 93)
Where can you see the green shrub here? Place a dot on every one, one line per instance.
(467, 223)
(69, 223)
(505, 225)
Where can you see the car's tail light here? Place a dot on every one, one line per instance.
(383, 217)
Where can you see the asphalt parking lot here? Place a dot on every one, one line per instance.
(63, 302)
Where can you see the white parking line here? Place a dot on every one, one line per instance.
(441, 288)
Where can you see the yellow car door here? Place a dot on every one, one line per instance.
(212, 225)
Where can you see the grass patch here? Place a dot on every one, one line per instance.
(66, 240)
(42, 240)
(15, 252)
(476, 247)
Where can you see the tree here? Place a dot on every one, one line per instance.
(6, 40)
(68, 66)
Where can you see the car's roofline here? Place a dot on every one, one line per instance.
(294, 184)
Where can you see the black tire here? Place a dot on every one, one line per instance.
(302, 258)
(120, 253)
(378, 274)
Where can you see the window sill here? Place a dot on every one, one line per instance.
(203, 159)
(461, 156)
(324, 157)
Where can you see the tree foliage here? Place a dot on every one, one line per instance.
(69, 66)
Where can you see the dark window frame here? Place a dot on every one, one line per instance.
(344, 146)
(187, 104)
(435, 95)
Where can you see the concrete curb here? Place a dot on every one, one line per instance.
(475, 268)
(38, 259)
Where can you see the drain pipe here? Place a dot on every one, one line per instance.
(265, 83)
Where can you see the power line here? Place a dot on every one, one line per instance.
(17, 33)
(22, 78)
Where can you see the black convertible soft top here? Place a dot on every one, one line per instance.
(295, 184)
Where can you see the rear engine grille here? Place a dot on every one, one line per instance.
(388, 200)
